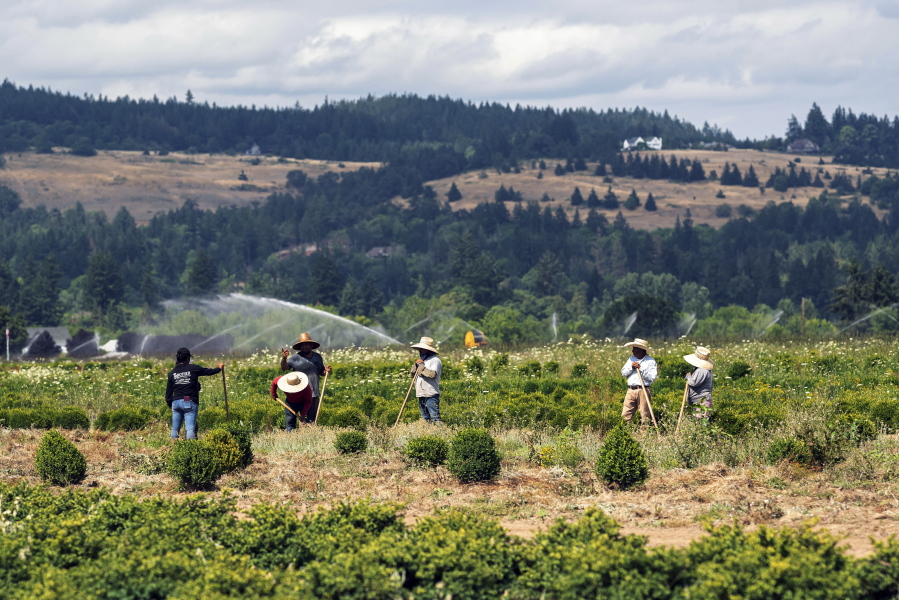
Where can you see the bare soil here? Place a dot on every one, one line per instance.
(670, 509)
(147, 185)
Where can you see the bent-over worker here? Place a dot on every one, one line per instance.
(308, 362)
(298, 396)
(699, 382)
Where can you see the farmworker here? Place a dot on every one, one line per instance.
(639, 363)
(308, 362)
(182, 392)
(427, 383)
(298, 396)
(699, 382)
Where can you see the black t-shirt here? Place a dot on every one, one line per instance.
(183, 382)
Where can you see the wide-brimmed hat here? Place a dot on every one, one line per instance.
(638, 343)
(700, 358)
(293, 382)
(305, 338)
(426, 343)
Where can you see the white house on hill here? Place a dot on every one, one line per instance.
(653, 143)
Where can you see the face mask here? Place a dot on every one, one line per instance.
(422, 355)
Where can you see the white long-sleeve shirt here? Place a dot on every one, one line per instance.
(428, 383)
(648, 368)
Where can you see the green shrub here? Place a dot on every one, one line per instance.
(738, 369)
(579, 370)
(194, 464)
(347, 416)
(551, 367)
(621, 461)
(226, 450)
(351, 442)
(562, 452)
(23, 418)
(58, 461)
(428, 450)
(474, 365)
(473, 456)
(71, 417)
(499, 363)
(531, 369)
(127, 418)
(789, 449)
(243, 435)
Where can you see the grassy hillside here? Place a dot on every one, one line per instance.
(146, 185)
(672, 198)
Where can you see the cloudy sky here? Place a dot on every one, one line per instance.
(743, 64)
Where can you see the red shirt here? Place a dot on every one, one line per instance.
(303, 396)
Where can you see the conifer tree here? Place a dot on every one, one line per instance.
(453, 195)
(593, 200)
(610, 200)
(650, 203)
(576, 198)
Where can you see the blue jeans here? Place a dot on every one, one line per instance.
(184, 411)
(430, 409)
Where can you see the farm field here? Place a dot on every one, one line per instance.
(837, 398)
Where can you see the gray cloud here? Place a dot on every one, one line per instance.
(746, 65)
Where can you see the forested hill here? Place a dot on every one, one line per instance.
(368, 129)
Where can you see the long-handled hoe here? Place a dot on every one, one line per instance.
(225, 390)
(321, 398)
(406, 399)
(648, 403)
(682, 405)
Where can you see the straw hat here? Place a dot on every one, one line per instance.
(305, 338)
(426, 343)
(293, 382)
(638, 343)
(700, 358)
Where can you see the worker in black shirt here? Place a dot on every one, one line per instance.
(182, 392)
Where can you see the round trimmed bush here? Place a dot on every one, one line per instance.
(347, 416)
(194, 464)
(738, 369)
(127, 418)
(243, 435)
(226, 449)
(621, 461)
(580, 370)
(351, 442)
(428, 450)
(790, 449)
(473, 456)
(71, 417)
(58, 461)
(23, 418)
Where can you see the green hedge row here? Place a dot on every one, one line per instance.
(67, 417)
(70, 545)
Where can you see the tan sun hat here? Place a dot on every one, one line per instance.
(700, 358)
(638, 343)
(305, 338)
(426, 343)
(293, 382)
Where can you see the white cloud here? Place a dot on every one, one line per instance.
(749, 63)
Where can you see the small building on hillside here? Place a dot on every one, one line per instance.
(803, 146)
(653, 143)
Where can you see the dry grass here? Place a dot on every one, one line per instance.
(672, 198)
(302, 469)
(146, 185)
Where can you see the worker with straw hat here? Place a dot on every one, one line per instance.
(426, 371)
(639, 364)
(298, 397)
(699, 383)
(308, 362)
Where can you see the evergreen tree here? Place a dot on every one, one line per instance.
(201, 277)
(597, 222)
(327, 279)
(650, 204)
(453, 195)
(751, 179)
(103, 283)
(632, 201)
(849, 300)
(9, 286)
(39, 295)
(18, 334)
(372, 297)
(593, 200)
(610, 200)
(559, 170)
(576, 198)
(351, 301)
(149, 287)
(697, 173)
